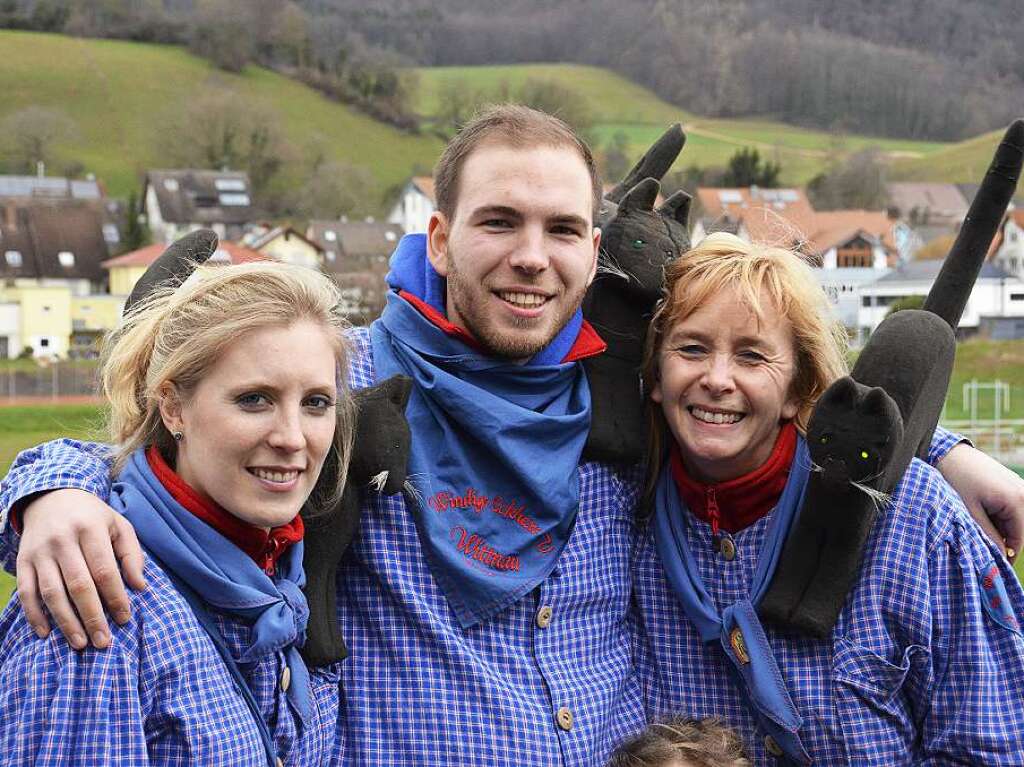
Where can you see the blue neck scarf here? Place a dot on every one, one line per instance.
(223, 575)
(495, 447)
(737, 628)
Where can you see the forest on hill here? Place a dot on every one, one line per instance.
(926, 69)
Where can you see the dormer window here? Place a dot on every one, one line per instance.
(330, 235)
(390, 236)
(110, 234)
(66, 258)
(13, 258)
(171, 184)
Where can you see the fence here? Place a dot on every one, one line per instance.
(59, 379)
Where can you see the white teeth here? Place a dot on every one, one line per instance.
(275, 476)
(525, 300)
(708, 417)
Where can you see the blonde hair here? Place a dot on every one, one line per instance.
(177, 333)
(694, 743)
(757, 272)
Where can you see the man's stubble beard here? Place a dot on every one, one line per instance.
(498, 344)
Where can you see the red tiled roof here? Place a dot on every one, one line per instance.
(426, 185)
(147, 255)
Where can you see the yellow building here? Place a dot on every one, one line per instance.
(44, 318)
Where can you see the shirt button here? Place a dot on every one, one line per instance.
(564, 718)
(286, 679)
(727, 549)
(772, 747)
(544, 617)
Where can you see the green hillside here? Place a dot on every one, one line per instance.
(617, 104)
(121, 95)
(964, 161)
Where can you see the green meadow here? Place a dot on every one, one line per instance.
(122, 95)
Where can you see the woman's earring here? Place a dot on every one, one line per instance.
(178, 436)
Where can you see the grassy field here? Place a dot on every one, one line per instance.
(121, 95)
(618, 105)
(964, 162)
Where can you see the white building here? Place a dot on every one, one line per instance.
(1008, 244)
(996, 294)
(414, 206)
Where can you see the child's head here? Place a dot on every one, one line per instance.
(681, 742)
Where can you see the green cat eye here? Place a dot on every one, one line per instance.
(864, 454)
(638, 243)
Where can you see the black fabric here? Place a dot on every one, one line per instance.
(910, 358)
(175, 264)
(382, 441)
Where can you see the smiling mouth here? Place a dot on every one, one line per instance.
(522, 300)
(280, 477)
(715, 417)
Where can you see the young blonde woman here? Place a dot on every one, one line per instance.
(228, 413)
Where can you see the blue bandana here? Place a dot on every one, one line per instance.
(495, 446)
(737, 628)
(223, 575)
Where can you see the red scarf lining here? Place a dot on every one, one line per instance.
(738, 503)
(264, 547)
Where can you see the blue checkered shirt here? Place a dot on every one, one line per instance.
(916, 671)
(420, 690)
(160, 695)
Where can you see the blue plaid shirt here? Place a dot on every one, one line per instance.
(920, 669)
(160, 695)
(514, 691)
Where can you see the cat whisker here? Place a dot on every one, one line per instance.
(878, 498)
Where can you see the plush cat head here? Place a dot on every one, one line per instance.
(639, 239)
(380, 455)
(853, 433)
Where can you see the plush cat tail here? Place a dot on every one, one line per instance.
(953, 286)
(654, 164)
(174, 265)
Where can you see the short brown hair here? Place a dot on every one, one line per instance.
(692, 742)
(517, 126)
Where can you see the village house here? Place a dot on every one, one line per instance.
(356, 255)
(415, 203)
(285, 244)
(52, 286)
(177, 202)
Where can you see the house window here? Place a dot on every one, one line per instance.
(44, 343)
(854, 256)
(390, 236)
(66, 258)
(240, 200)
(13, 258)
(1017, 296)
(229, 185)
(110, 234)
(171, 184)
(330, 235)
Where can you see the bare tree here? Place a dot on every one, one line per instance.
(33, 135)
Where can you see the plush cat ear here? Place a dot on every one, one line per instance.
(655, 162)
(878, 402)
(677, 207)
(641, 196)
(397, 389)
(175, 264)
(842, 393)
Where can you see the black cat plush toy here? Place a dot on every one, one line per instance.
(637, 241)
(868, 426)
